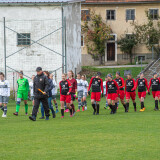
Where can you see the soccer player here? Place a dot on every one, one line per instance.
(31, 90)
(4, 94)
(130, 92)
(79, 92)
(65, 94)
(104, 91)
(22, 93)
(74, 89)
(54, 92)
(46, 73)
(113, 90)
(40, 90)
(155, 83)
(85, 89)
(142, 85)
(97, 86)
(120, 82)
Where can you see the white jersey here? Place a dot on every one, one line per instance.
(85, 85)
(31, 88)
(104, 87)
(54, 90)
(4, 88)
(79, 85)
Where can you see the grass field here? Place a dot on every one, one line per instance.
(124, 136)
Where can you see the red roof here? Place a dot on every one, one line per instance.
(120, 1)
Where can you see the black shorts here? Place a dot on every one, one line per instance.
(73, 96)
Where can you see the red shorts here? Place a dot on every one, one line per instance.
(65, 98)
(96, 96)
(122, 94)
(142, 94)
(156, 94)
(112, 96)
(131, 95)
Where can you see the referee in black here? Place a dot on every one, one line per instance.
(40, 84)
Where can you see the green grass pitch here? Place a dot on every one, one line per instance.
(124, 136)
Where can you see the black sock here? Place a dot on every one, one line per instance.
(127, 106)
(2, 109)
(156, 104)
(98, 108)
(116, 104)
(111, 107)
(114, 108)
(94, 107)
(62, 112)
(134, 104)
(142, 105)
(5, 110)
(70, 111)
(124, 105)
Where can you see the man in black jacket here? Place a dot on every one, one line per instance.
(40, 89)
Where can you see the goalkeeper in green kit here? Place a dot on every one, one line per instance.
(22, 93)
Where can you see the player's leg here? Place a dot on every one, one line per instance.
(79, 102)
(72, 105)
(62, 108)
(55, 103)
(156, 101)
(122, 95)
(114, 105)
(128, 95)
(84, 100)
(1, 103)
(25, 98)
(46, 107)
(51, 107)
(98, 99)
(42, 111)
(133, 97)
(93, 102)
(68, 101)
(19, 97)
(5, 102)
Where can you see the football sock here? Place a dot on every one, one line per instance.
(26, 108)
(17, 107)
(156, 104)
(127, 106)
(5, 110)
(142, 105)
(70, 111)
(62, 112)
(94, 107)
(134, 104)
(98, 108)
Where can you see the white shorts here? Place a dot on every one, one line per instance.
(4, 99)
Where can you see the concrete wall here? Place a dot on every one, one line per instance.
(72, 13)
(120, 26)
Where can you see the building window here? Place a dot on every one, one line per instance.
(82, 41)
(23, 39)
(129, 36)
(85, 15)
(153, 13)
(130, 14)
(141, 57)
(111, 14)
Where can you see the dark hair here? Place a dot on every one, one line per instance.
(47, 73)
(1, 73)
(72, 73)
(21, 72)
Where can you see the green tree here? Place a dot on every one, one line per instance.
(96, 33)
(148, 33)
(127, 44)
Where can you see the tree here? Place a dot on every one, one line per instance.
(127, 44)
(96, 33)
(148, 33)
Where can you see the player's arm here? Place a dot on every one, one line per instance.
(106, 87)
(146, 83)
(46, 83)
(122, 83)
(90, 83)
(150, 83)
(8, 87)
(70, 86)
(60, 87)
(75, 86)
(135, 85)
(125, 86)
(116, 86)
(101, 85)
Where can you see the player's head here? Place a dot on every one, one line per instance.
(46, 73)
(70, 74)
(141, 75)
(109, 76)
(98, 75)
(78, 76)
(1, 76)
(39, 70)
(129, 76)
(106, 78)
(21, 74)
(117, 74)
(51, 76)
(63, 77)
(33, 77)
(155, 75)
(83, 77)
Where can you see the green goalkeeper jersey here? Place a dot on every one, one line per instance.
(23, 84)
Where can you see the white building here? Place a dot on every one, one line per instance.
(44, 33)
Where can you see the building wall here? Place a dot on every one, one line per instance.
(121, 26)
(72, 13)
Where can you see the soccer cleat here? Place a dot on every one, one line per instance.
(111, 112)
(54, 115)
(71, 115)
(94, 113)
(41, 117)
(83, 108)
(135, 109)
(67, 110)
(26, 114)
(16, 113)
(105, 107)
(47, 118)
(97, 113)
(155, 109)
(62, 116)
(4, 115)
(32, 118)
(142, 110)
(78, 110)
(57, 110)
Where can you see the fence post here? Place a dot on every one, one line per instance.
(75, 72)
(4, 22)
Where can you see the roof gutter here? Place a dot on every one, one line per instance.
(146, 2)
